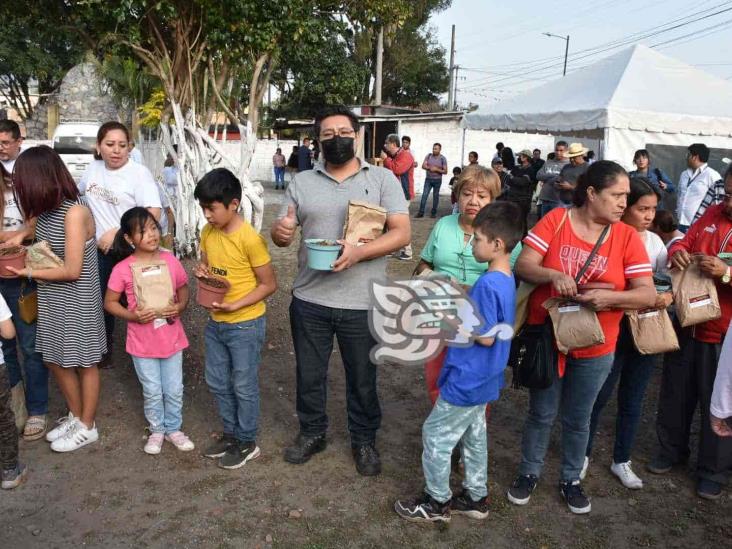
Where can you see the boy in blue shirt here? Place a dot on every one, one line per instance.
(471, 377)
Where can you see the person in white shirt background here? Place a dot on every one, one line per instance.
(720, 409)
(135, 154)
(694, 183)
(113, 184)
(10, 142)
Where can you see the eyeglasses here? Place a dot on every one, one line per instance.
(6, 144)
(341, 132)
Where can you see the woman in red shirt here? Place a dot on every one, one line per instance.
(555, 250)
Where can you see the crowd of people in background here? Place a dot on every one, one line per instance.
(568, 225)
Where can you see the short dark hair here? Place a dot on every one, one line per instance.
(700, 150)
(436, 145)
(501, 219)
(499, 145)
(393, 139)
(335, 110)
(561, 144)
(107, 127)
(551, 156)
(600, 175)
(475, 154)
(640, 153)
(640, 187)
(457, 170)
(10, 126)
(41, 181)
(665, 221)
(218, 185)
(406, 138)
(509, 160)
(537, 151)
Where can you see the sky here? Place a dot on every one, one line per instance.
(501, 50)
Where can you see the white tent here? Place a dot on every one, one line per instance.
(627, 101)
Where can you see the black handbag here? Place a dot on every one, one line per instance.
(533, 357)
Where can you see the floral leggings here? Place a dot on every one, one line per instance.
(8, 431)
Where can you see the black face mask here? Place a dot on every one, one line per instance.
(338, 150)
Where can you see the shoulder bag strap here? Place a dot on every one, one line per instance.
(592, 255)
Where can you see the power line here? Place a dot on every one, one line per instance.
(511, 75)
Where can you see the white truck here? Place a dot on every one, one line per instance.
(75, 142)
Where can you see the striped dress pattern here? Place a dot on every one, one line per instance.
(70, 329)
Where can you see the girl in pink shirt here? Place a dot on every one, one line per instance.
(154, 340)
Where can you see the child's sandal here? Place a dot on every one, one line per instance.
(35, 428)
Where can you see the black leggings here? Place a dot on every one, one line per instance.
(8, 430)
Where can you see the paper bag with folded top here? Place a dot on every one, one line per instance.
(695, 295)
(40, 256)
(575, 326)
(152, 285)
(365, 222)
(652, 331)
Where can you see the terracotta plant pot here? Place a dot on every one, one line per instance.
(11, 257)
(582, 288)
(211, 290)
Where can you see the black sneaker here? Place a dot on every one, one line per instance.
(218, 448)
(576, 499)
(705, 488)
(367, 459)
(464, 505)
(520, 491)
(419, 215)
(660, 465)
(238, 454)
(423, 508)
(12, 478)
(304, 448)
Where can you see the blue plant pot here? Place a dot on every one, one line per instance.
(322, 253)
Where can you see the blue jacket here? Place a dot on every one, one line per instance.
(655, 175)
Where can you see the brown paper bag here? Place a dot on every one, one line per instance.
(652, 331)
(364, 223)
(695, 296)
(152, 285)
(40, 256)
(575, 326)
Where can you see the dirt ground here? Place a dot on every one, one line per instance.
(111, 494)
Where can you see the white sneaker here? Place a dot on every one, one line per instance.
(585, 466)
(64, 424)
(77, 437)
(154, 444)
(626, 475)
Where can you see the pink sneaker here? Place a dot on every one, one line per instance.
(180, 441)
(154, 444)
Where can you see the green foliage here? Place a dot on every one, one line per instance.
(34, 46)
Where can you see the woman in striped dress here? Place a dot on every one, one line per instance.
(70, 335)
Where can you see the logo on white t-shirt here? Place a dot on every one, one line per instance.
(102, 193)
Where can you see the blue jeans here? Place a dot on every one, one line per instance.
(434, 185)
(634, 371)
(445, 427)
(313, 328)
(279, 177)
(232, 373)
(574, 394)
(162, 391)
(36, 374)
(106, 264)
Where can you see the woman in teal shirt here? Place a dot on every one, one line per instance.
(449, 248)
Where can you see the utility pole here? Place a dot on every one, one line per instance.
(454, 93)
(453, 76)
(379, 66)
(566, 48)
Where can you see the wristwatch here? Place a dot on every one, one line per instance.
(727, 276)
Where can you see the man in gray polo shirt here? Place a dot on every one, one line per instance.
(328, 303)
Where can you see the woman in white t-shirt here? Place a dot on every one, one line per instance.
(631, 368)
(113, 184)
(33, 397)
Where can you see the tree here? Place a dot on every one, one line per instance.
(34, 49)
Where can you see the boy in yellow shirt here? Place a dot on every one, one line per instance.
(231, 248)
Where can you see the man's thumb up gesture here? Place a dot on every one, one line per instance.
(283, 230)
